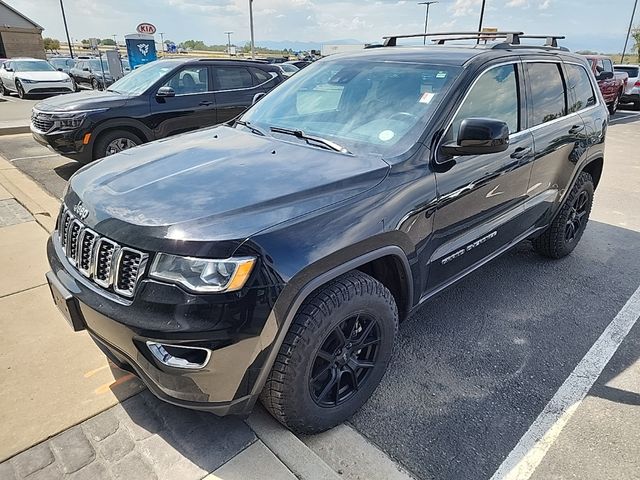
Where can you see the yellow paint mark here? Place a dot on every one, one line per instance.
(91, 373)
(109, 386)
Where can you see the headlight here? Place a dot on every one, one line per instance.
(201, 274)
(68, 121)
(26, 80)
(68, 79)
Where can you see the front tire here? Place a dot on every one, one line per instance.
(95, 84)
(20, 89)
(114, 141)
(334, 354)
(566, 230)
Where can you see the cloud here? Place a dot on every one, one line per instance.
(544, 5)
(518, 3)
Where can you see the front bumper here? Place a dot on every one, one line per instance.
(67, 143)
(47, 87)
(238, 335)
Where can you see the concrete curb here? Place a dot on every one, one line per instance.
(14, 130)
(40, 204)
(291, 451)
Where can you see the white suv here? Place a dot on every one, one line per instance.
(27, 76)
(632, 90)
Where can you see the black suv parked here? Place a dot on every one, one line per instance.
(274, 256)
(160, 99)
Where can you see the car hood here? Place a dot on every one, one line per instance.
(215, 184)
(52, 76)
(82, 101)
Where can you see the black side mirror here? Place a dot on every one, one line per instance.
(606, 76)
(9, 69)
(479, 136)
(164, 92)
(257, 97)
(59, 69)
(85, 69)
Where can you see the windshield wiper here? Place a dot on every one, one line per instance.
(112, 90)
(311, 139)
(250, 127)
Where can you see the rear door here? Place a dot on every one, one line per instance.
(235, 86)
(559, 134)
(192, 107)
(481, 197)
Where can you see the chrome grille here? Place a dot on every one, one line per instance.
(41, 121)
(104, 261)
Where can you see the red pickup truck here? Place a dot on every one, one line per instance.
(611, 84)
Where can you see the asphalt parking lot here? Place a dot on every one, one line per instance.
(476, 366)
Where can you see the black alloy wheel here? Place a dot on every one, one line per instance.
(578, 212)
(345, 360)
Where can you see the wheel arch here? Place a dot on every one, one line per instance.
(373, 263)
(127, 125)
(594, 168)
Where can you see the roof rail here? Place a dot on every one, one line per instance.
(392, 40)
(511, 39)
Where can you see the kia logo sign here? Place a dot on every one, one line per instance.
(146, 28)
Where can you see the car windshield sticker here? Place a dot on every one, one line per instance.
(386, 135)
(427, 97)
(441, 75)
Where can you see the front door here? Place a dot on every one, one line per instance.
(481, 197)
(192, 107)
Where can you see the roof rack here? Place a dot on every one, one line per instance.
(511, 39)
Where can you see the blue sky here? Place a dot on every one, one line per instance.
(589, 24)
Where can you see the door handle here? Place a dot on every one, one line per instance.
(576, 129)
(521, 152)
(205, 103)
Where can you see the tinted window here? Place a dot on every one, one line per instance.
(231, 78)
(494, 95)
(547, 92)
(579, 86)
(631, 71)
(261, 75)
(190, 80)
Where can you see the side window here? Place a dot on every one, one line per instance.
(233, 78)
(260, 76)
(608, 66)
(190, 80)
(548, 95)
(494, 95)
(579, 85)
(599, 66)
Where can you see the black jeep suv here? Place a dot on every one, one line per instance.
(162, 98)
(274, 256)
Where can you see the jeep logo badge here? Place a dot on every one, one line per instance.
(81, 211)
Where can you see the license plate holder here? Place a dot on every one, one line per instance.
(66, 303)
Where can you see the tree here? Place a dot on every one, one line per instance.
(107, 41)
(635, 34)
(194, 45)
(51, 44)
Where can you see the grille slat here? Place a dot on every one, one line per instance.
(41, 121)
(104, 261)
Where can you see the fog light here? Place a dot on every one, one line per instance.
(178, 356)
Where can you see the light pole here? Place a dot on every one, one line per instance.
(253, 44)
(626, 40)
(228, 34)
(162, 43)
(426, 18)
(66, 29)
(484, 3)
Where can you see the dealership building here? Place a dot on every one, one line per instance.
(19, 36)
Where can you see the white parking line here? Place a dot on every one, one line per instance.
(534, 445)
(34, 157)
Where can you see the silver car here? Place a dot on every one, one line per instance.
(27, 76)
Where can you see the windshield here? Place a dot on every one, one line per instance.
(61, 62)
(363, 105)
(95, 65)
(632, 71)
(32, 66)
(289, 68)
(140, 79)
